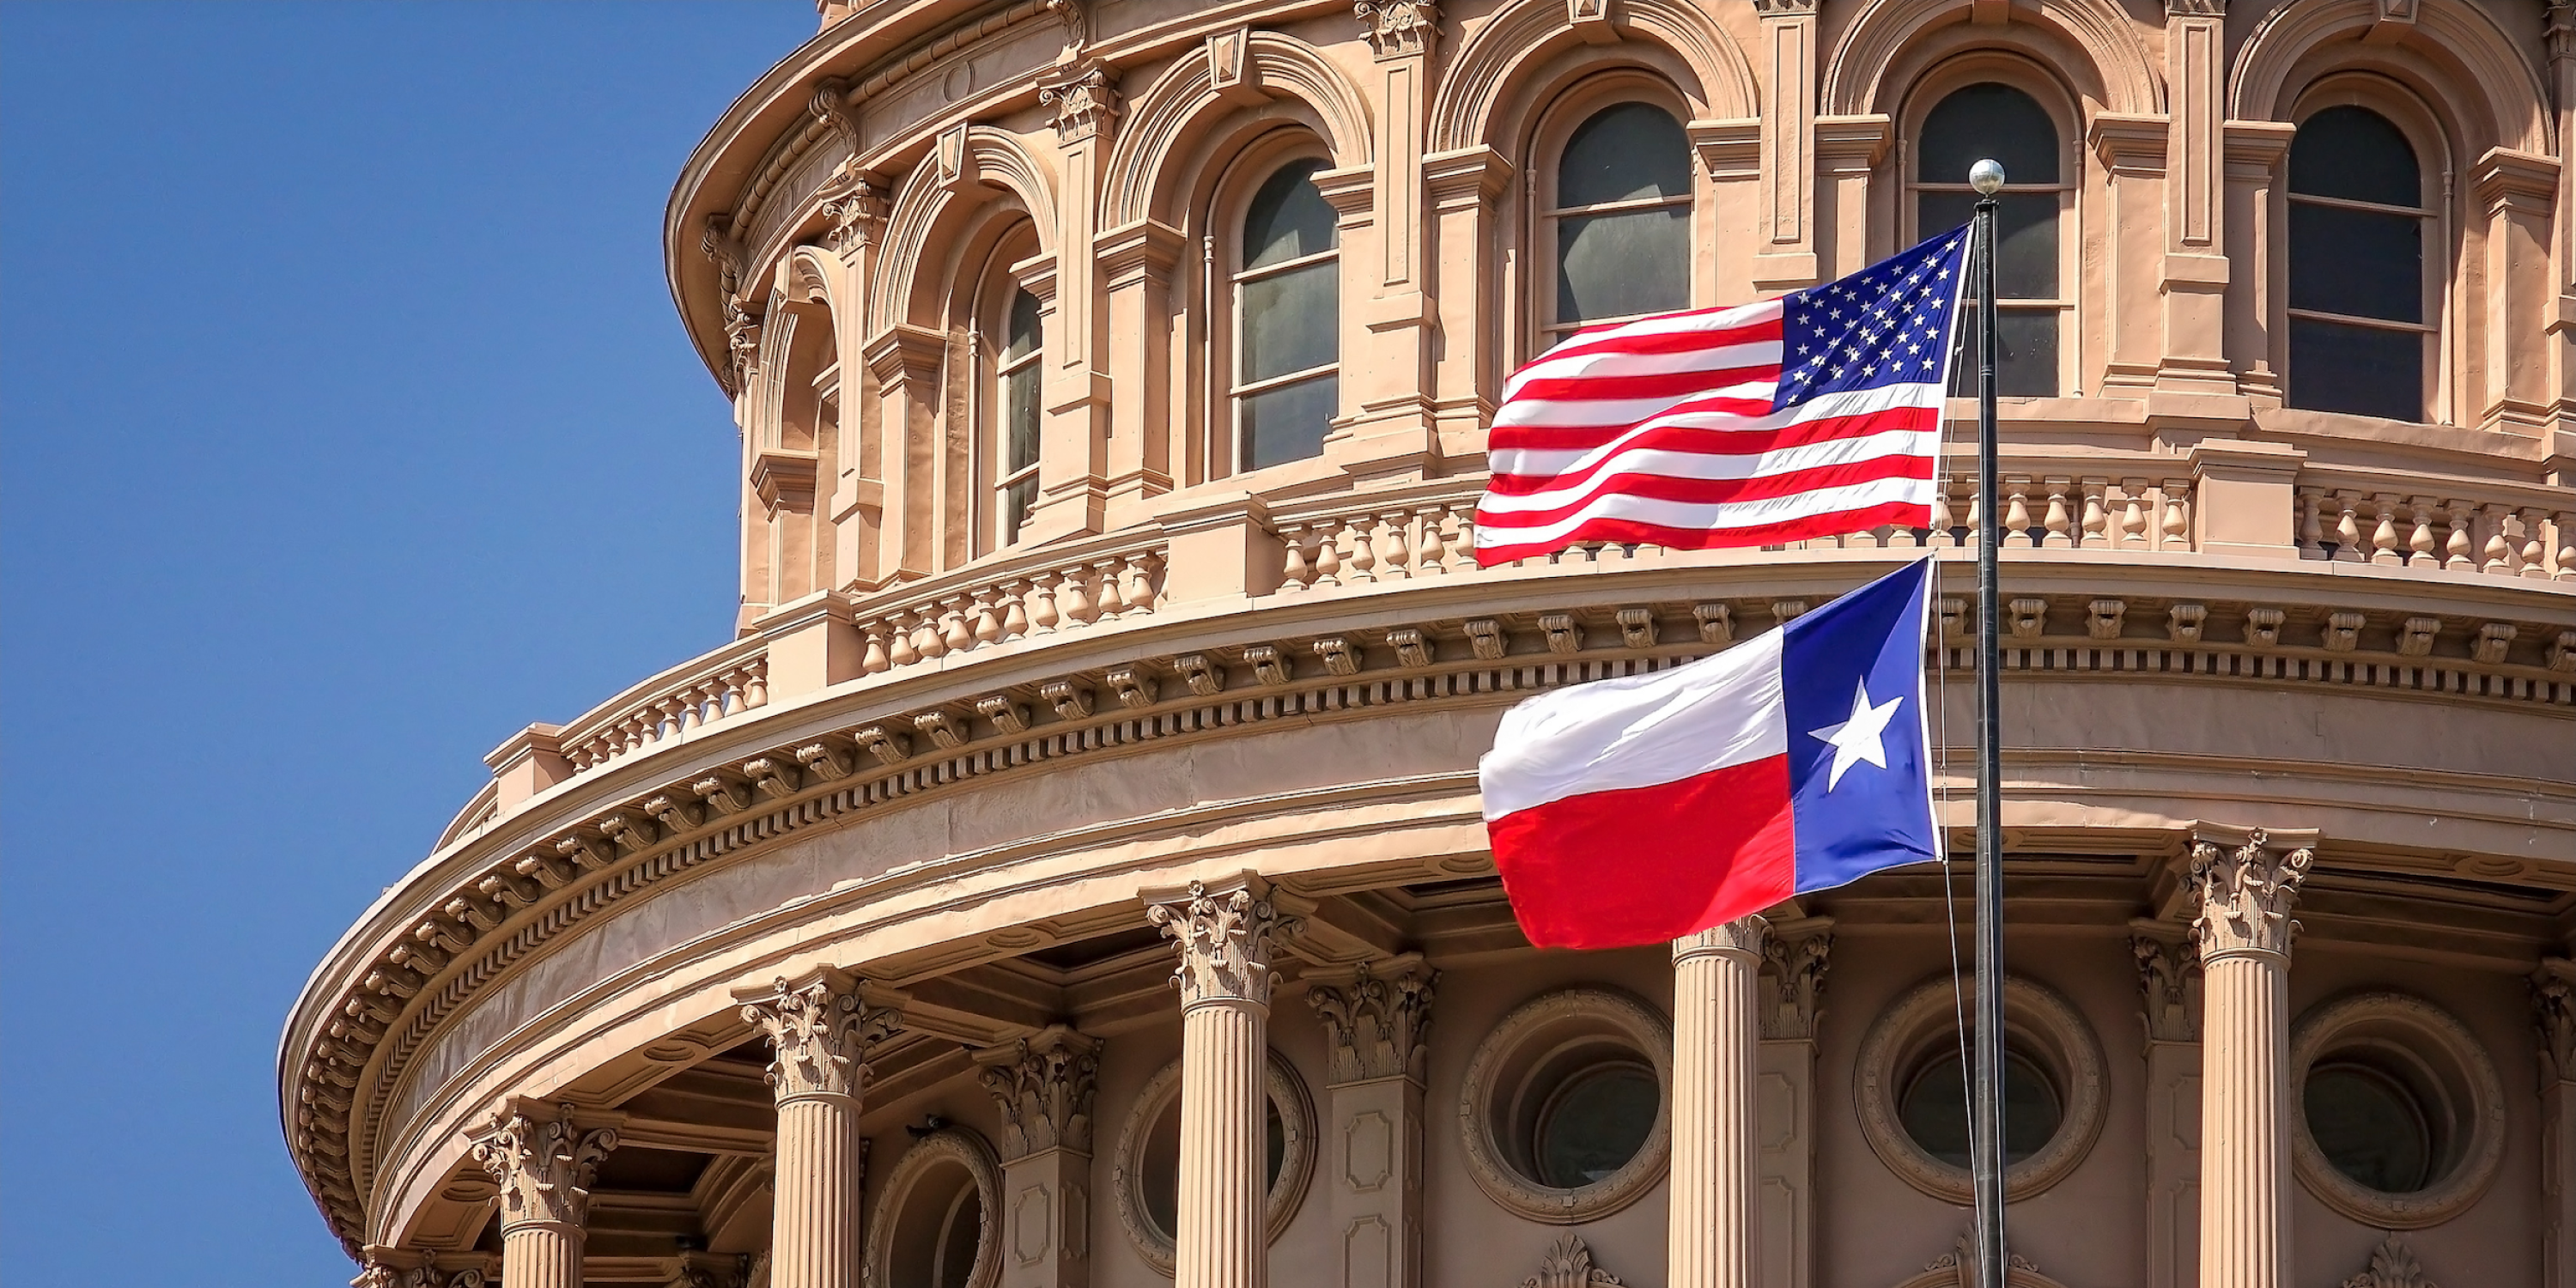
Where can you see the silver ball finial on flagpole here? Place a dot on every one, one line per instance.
(1986, 177)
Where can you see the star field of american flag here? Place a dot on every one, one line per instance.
(1884, 325)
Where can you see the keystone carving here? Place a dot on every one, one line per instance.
(1568, 1264)
(1225, 940)
(542, 1162)
(2170, 976)
(2392, 1265)
(1793, 984)
(1375, 1020)
(2245, 896)
(1044, 1084)
(1399, 28)
(822, 1033)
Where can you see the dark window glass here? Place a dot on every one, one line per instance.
(2370, 1127)
(2025, 231)
(957, 1242)
(1287, 422)
(1159, 1170)
(1023, 326)
(2355, 154)
(1988, 120)
(2368, 371)
(1020, 395)
(1291, 321)
(1611, 266)
(1593, 1124)
(1935, 1110)
(1289, 218)
(2025, 354)
(1631, 152)
(2362, 263)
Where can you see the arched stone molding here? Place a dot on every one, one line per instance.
(947, 1148)
(1480, 100)
(1870, 67)
(2471, 65)
(1141, 181)
(930, 203)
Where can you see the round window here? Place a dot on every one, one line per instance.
(1911, 1092)
(1564, 1108)
(2401, 1121)
(930, 1228)
(1935, 1107)
(1147, 1185)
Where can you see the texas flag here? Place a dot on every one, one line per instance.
(1646, 808)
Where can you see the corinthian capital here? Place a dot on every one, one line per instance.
(2245, 892)
(1793, 980)
(1375, 1018)
(2169, 974)
(543, 1163)
(1084, 95)
(1399, 28)
(821, 1033)
(1225, 938)
(2553, 1010)
(1045, 1085)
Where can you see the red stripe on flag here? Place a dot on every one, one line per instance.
(1759, 487)
(1702, 442)
(1610, 869)
(1617, 339)
(1835, 523)
(1659, 384)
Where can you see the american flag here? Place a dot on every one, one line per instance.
(1810, 415)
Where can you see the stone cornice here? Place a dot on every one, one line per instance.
(514, 888)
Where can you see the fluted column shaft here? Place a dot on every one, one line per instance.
(821, 1033)
(544, 1164)
(2243, 934)
(1717, 1031)
(1225, 941)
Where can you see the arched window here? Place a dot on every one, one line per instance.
(1016, 372)
(1621, 219)
(2033, 315)
(1287, 321)
(2358, 333)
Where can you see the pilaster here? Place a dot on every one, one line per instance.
(1135, 268)
(544, 1163)
(822, 1032)
(2515, 192)
(1849, 150)
(908, 362)
(1716, 1030)
(1073, 445)
(2559, 329)
(1225, 935)
(1463, 186)
(1786, 257)
(2132, 150)
(2169, 978)
(2251, 157)
(1376, 1018)
(1795, 955)
(2243, 885)
(1390, 429)
(853, 221)
(1045, 1085)
(2194, 272)
(2553, 1004)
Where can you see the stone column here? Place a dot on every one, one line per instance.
(1792, 987)
(2553, 1000)
(1716, 1031)
(1225, 936)
(2170, 977)
(1044, 1084)
(2242, 928)
(822, 1033)
(544, 1165)
(1376, 1018)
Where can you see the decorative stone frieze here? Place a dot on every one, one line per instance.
(542, 1162)
(2245, 892)
(1399, 28)
(1225, 939)
(821, 1032)
(1044, 1085)
(1376, 1019)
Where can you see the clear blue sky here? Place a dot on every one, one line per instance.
(347, 429)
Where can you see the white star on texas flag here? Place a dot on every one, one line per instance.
(1863, 737)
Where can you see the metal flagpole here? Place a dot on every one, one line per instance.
(1986, 1122)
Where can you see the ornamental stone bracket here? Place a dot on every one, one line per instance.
(2243, 884)
(822, 1027)
(1377, 1019)
(1044, 1084)
(543, 1161)
(1226, 936)
(2553, 1007)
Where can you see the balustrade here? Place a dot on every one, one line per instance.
(2530, 533)
(718, 688)
(917, 624)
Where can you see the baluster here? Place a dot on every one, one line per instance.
(689, 710)
(1434, 553)
(873, 659)
(2058, 523)
(667, 725)
(2566, 549)
(2419, 538)
(1043, 615)
(2532, 558)
(2177, 528)
(2312, 533)
(2498, 553)
(1077, 606)
(1394, 553)
(2348, 528)
(1970, 534)
(1144, 593)
(900, 648)
(1328, 555)
(1105, 584)
(2456, 517)
(1295, 572)
(1465, 542)
(2133, 514)
(988, 621)
(1940, 534)
(1015, 611)
(1363, 560)
(2383, 539)
(2095, 534)
(2016, 529)
(755, 685)
(953, 625)
(926, 634)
